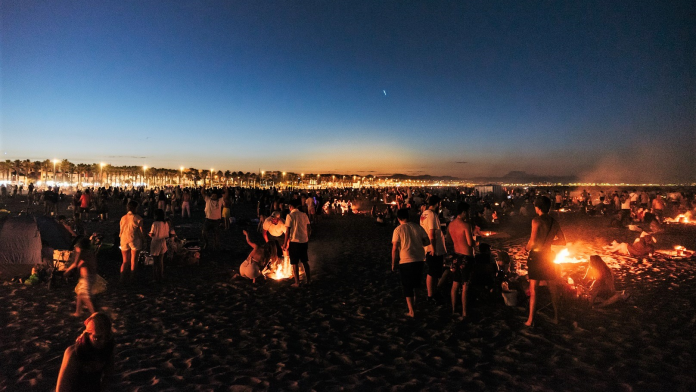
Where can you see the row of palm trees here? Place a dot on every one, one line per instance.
(96, 173)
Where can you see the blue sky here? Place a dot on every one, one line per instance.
(602, 90)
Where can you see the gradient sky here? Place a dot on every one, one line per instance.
(603, 90)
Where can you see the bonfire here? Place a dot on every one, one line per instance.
(279, 268)
(682, 218)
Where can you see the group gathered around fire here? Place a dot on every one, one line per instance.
(438, 232)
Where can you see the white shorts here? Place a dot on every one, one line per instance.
(133, 245)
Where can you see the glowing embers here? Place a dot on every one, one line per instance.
(682, 218)
(563, 257)
(678, 253)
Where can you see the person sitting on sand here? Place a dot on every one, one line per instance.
(601, 289)
(256, 261)
(88, 363)
(641, 247)
(86, 263)
(408, 250)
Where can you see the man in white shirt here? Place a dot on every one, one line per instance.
(298, 230)
(213, 217)
(274, 231)
(435, 252)
(408, 250)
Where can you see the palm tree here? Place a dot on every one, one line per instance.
(26, 167)
(5, 168)
(194, 174)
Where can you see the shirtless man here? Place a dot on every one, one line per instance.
(460, 231)
(86, 263)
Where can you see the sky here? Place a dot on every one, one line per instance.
(602, 90)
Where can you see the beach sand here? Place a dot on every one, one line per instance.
(202, 330)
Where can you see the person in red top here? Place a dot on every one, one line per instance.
(85, 200)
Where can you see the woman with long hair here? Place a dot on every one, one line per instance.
(540, 266)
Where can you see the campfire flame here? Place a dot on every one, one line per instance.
(563, 257)
(279, 268)
(681, 218)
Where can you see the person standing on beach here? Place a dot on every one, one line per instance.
(86, 264)
(213, 215)
(186, 204)
(226, 212)
(88, 363)
(540, 264)
(408, 250)
(435, 252)
(132, 236)
(159, 232)
(85, 201)
(460, 230)
(298, 230)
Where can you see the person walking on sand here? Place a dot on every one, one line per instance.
(86, 264)
(460, 232)
(298, 230)
(408, 251)
(132, 236)
(435, 252)
(545, 232)
(88, 363)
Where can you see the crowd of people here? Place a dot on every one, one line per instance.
(426, 220)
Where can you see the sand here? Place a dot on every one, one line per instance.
(202, 330)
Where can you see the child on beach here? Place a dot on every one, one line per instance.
(86, 263)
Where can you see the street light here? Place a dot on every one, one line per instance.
(54, 172)
(101, 173)
(144, 169)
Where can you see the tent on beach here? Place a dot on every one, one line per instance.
(22, 240)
